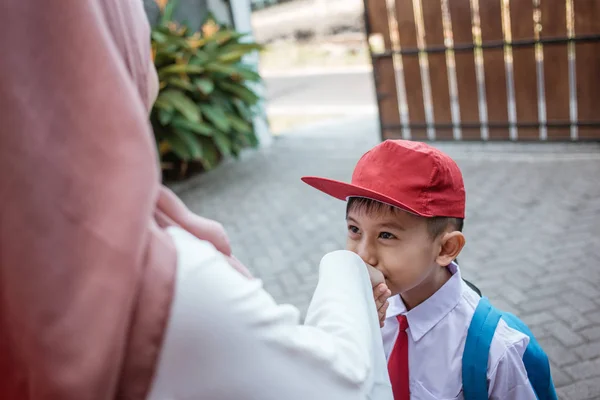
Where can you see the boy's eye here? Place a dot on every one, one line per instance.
(386, 235)
(353, 229)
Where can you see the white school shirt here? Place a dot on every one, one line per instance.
(227, 339)
(437, 331)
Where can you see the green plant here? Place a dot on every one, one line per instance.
(204, 108)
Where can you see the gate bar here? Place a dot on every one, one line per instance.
(498, 125)
(492, 44)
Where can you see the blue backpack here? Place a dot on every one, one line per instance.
(477, 350)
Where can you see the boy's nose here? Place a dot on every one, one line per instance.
(367, 253)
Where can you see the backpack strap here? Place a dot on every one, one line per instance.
(477, 350)
(535, 361)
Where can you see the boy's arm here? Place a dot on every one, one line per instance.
(508, 381)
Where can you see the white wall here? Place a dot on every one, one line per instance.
(220, 8)
(240, 10)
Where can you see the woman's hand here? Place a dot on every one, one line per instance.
(171, 210)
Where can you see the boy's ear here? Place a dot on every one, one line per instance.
(451, 245)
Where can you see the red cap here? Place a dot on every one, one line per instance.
(409, 175)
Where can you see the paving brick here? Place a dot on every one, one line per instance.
(504, 305)
(551, 278)
(305, 268)
(519, 280)
(560, 377)
(588, 389)
(535, 319)
(584, 370)
(541, 332)
(532, 229)
(558, 353)
(276, 291)
(588, 351)
(591, 333)
(539, 305)
(594, 317)
(564, 334)
(573, 318)
(585, 288)
(514, 294)
(546, 290)
(579, 302)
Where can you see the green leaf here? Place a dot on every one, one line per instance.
(222, 36)
(242, 47)
(231, 56)
(191, 143)
(216, 116)
(199, 128)
(199, 58)
(245, 94)
(224, 69)
(236, 148)
(168, 12)
(223, 143)
(248, 73)
(238, 124)
(252, 139)
(181, 83)
(222, 100)
(159, 37)
(165, 116)
(167, 40)
(179, 147)
(181, 103)
(242, 109)
(210, 156)
(211, 48)
(206, 86)
(180, 69)
(163, 104)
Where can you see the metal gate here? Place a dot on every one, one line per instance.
(486, 69)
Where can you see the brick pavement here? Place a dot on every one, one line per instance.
(533, 229)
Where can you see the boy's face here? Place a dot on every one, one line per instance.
(395, 242)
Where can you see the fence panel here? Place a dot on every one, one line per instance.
(587, 21)
(384, 74)
(525, 69)
(466, 76)
(438, 70)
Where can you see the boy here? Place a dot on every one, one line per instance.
(405, 211)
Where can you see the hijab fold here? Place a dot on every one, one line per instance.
(86, 268)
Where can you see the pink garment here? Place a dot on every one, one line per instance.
(86, 269)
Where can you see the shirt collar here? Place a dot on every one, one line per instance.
(426, 315)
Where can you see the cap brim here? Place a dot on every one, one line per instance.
(343, 191)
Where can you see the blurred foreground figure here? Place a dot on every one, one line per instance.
(109, 287)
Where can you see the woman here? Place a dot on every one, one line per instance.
(109, 287)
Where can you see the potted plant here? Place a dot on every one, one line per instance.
(204, 108)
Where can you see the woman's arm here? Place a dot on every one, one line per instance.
(228, 339)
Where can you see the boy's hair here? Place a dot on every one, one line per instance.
(435, 225)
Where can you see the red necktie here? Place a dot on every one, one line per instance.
(398, 363)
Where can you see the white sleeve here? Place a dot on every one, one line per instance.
(228, 340)
(509, 379)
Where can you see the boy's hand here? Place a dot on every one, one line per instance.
(381, 293)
